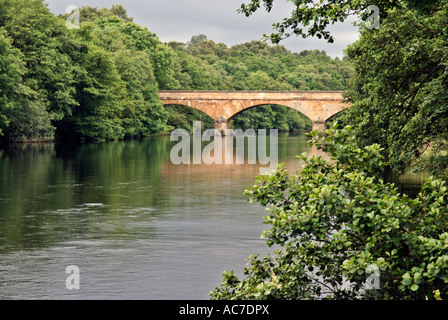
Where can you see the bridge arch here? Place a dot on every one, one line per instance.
(274, 106)
(181, 115)
(193, 104)
(264, 104)
(336, 115)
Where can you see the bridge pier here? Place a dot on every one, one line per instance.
(320, 126)
(221, 124)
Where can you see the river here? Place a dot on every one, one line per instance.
(135, 225)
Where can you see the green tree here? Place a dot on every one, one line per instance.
(98, 82)
(180, 117)
(399, 91)
(272, 117)
(118, 92)
(22, 113)
(338, 224)
(92, 14)
(12, 69)
(133, 37)
(101, 91)
(50, 72)
(312, 19)
(196, 74)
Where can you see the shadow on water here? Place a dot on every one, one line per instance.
(408, 183)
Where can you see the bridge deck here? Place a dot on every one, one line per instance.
(222, 106)
(251, 95)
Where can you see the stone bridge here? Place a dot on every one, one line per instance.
(222, 106)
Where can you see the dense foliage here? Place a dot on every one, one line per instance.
(400, 88)
(100, 81)
(345, 233)
(96, 82)
(399, 91)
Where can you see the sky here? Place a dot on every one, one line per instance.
(179, 20)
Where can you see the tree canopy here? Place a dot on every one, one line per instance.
(399, 90)
(100, 81)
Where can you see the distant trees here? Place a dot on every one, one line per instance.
(100, 81)
(202, 64)
(92, 14)
(249, 63)
(197, 39)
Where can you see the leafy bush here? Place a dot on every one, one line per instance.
(338, 226)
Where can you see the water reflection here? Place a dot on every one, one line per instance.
(409, 183)
(137, 226)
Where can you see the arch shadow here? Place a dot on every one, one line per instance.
(290, 119)
(337, 117)
(182, 117)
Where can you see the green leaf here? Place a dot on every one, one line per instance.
(406, 281)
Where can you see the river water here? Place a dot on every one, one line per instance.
(135, 225)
